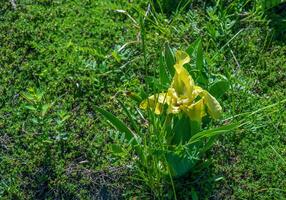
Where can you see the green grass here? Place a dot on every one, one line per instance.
(69, 51)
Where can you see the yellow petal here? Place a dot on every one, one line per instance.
(182, 82)
(213, 106)
(196, 111)
(171, 97)
(158, 109)
(173, 109)
(172, 101)
(182, 94)
(155, 102)
(197, 91)
(181, 59)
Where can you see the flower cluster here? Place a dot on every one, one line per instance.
(184, 96)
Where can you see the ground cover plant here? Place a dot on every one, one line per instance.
(61, 60)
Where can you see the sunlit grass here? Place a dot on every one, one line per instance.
(60, 59)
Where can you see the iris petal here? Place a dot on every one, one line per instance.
(196, 111)
(182, 94)
(182, 82)
(155, 102)
(181, 59)
(213, 106)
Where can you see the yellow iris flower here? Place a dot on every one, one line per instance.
(183, 94)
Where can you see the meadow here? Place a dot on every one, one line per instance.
(73, 74)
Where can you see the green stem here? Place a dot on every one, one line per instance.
(142, 26)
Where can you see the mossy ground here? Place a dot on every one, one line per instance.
(69, 51)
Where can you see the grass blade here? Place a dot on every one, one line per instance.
(170, 59)
(215, 131)
(164, 77)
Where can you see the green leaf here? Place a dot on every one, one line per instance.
(119, 125)
(195, 51)
(194, 194)
(30, 107)
(195, 126)
(219, 88)
(39, 95)
(117, 149)
(178, 165)
(212, 30)
(170, 60)
(191, 49)
(116, 56)
(28, 97)
(182, 130)
(213, 132)
(45, 109)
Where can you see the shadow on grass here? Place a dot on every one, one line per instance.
(277, 17)
(198, 184)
